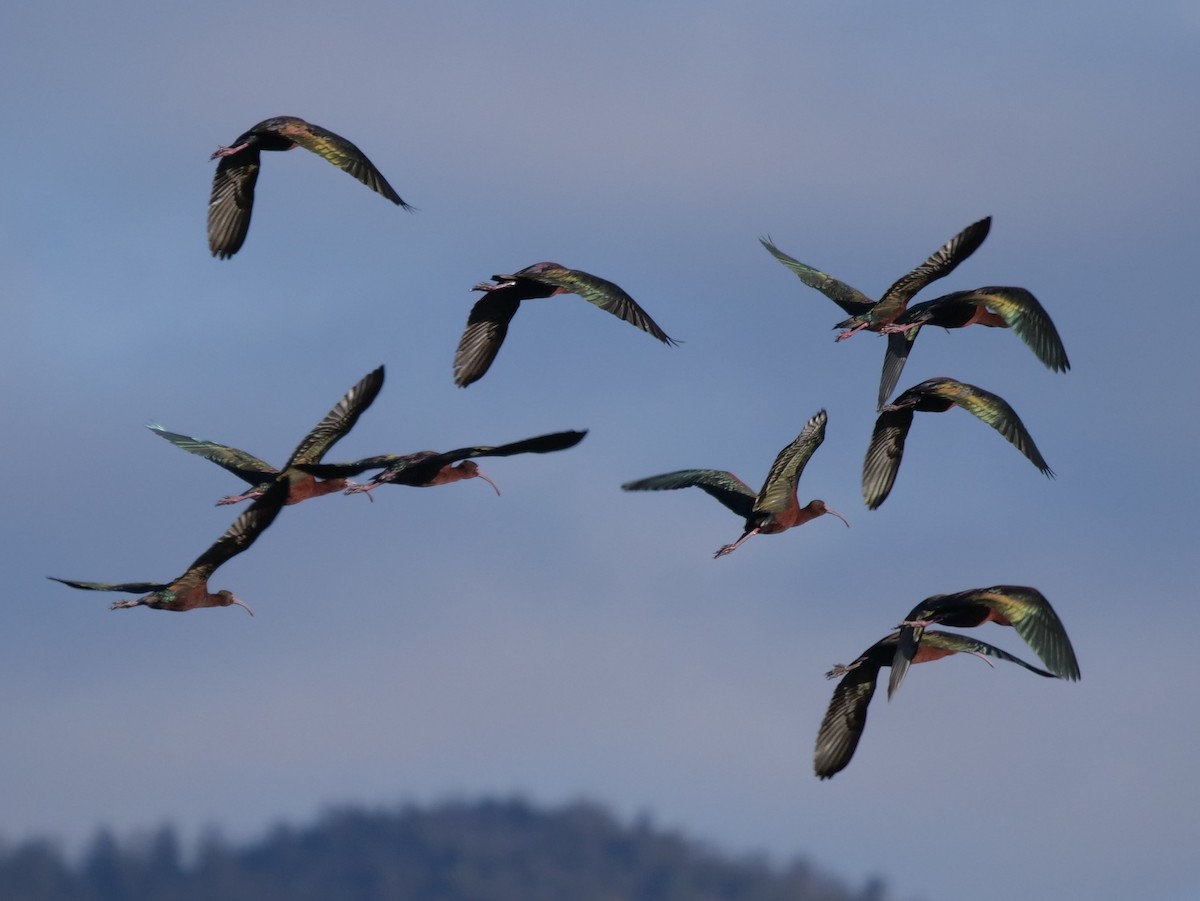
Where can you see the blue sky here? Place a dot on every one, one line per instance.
(568, 639)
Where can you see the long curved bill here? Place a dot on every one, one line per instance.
(242, 603)
(487, 478)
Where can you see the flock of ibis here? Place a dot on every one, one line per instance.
(774, 508)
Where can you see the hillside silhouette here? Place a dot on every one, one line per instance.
(483, 851)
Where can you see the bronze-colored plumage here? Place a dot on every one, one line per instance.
(487, 324)
(190, 590)
(312, 449)
(1025, 609)
(424, 469)
(995, 307)
(873, 316)
(936, 395)
(232, 198)
(776, 507)
(843, 724)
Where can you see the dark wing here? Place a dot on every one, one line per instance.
(884, 454)
(231, 202)
(844, 721)
(340, 152)
(347, 470)
(989, 408)
(598, 291)
(724, 486)
(953, 643)
(849, 299)
(127, 587)
(1028, 320)
(779, 489)
(1031, 615)
(542, 444)
(246, 467)
(898, 347)
(486, 327)
(940, 264)
(421, 468)
(239, 536)
(956, 643)
(339, 420)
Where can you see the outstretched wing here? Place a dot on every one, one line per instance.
(231, 202)
(1030, 614)
(849, 299)
(724, 486)
(246, 467)
(339, 420)
(779, 489)
(348, 470)
(239, 536)
(989, 408)
(598, 291)
(338, 151)
(898, 347)
(541, 444)
(884, 454)
(486, 328)
(1025, 315)
(846, 717)
(940, 264)
(127, 587)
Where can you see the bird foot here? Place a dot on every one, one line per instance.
(850, 331)
(915, 623)
(725, 549)
(122, 605)
(898, 328)
(489, 286)
(359, 488)
(840, 669)
(228, 151)
(236, 498)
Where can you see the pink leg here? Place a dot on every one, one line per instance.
(228, 151)
(730, 548)
(238, 498)
(850, 331)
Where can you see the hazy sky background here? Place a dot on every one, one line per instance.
(568, 639)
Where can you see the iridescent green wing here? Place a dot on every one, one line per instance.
(884, 454)
(849, 299)
(239, 536)
(246, 467)
(992, 409)
(940, 264)
(1031, 615)
(846, 717)
(339, 420)
(338, 151)
(898, 346)
(598, 291)
(911, 638)
(724, 486)
(127, 587)
(1027, 318)
(231, 202)
(487, 326)
(779, 489)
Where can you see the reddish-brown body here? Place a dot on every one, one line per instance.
(303, 488)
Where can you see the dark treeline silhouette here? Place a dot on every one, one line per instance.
(485, 851)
